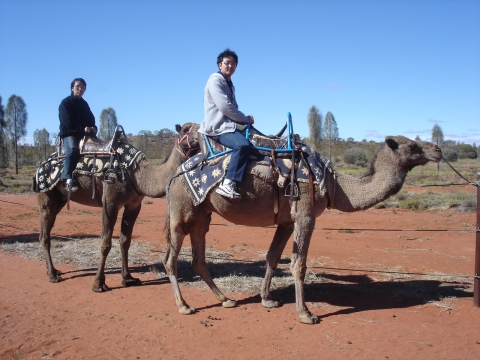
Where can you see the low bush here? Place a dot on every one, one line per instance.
(450, 155)
(356, 156)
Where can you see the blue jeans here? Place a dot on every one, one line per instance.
(239, 156)
(71, 146)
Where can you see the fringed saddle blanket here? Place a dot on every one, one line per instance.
(200, 176)
(48, 174)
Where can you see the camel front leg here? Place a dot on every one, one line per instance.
(197, 236)
(109, 217)
(129, 217)
(49, 209)
(282, 234)
(303, 234)
(170, 261)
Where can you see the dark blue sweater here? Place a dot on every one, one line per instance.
(75, 115)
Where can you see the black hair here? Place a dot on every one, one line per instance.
(77, 79)
(226, 53)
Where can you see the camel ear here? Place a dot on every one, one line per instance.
(391, 143)
(178, 128)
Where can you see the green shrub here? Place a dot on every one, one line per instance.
(356, 156)
(450, 155)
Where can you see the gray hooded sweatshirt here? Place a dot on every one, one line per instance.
(220, 107)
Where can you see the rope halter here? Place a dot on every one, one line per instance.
(190, 149)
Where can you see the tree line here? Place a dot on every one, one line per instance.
(323, 137)
(13, 127)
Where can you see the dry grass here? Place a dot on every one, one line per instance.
(245, 275)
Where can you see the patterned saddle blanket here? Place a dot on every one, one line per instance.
(48, 173)
(199, 176)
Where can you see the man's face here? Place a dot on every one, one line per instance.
(228, 66)
(78, 89)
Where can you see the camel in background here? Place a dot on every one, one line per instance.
(141, 179)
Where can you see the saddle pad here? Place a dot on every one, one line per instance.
(199, 176)
(48, 174)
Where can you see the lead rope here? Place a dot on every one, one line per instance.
(477, 183)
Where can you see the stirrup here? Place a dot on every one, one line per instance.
(110, 177)
(295, 190)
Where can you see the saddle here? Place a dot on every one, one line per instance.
(93, 147)
(274, 147)
(261, 144)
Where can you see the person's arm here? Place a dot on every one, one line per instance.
(64, 115)
(223, 103)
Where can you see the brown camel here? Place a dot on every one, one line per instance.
(142, 179)
(384, 178)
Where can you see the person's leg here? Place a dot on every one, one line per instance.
(239, 156)
(72, 152)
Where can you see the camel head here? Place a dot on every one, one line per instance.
(408, 153)
(188, 142)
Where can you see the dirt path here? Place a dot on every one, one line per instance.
(371, 293)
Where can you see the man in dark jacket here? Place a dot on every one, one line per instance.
(76, 119)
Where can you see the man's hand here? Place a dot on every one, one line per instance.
(90, 130)
(250, 119)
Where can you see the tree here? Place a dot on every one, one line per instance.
(315, 128)
(108, 123)
(437, 135)
(16, 118)
(141, 142)
(417, 138)
(164, 133)
(41, 138)
(330, 131)
(3, 137)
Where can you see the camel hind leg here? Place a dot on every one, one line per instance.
(304, 226)
(197, 236)
(49, 206)
(129, 217)
(109, 217)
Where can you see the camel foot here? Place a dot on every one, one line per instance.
(54, 276)
(307, 317)
(271, 303)
(131, 281)
(100, 288)
(186, 310)
(229, 303)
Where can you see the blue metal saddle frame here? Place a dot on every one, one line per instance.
(288, 146)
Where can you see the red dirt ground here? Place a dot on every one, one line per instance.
(363, 314)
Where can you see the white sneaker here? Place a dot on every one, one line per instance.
(228, 190)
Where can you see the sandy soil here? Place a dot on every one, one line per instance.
(391, 294)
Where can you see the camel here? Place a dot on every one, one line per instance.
(384, 177)
(142, 179)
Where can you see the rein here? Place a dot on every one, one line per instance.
(190, 149)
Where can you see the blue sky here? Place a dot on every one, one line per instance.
(382, 68)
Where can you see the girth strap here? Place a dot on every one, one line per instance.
(275, 186)
(94, 169)
(310, 181)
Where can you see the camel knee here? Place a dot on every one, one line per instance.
(298, 271)
(105, 249)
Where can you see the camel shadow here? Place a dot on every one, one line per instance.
(33, 238)
(356, 293)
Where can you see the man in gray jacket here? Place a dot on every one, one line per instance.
(223, 121)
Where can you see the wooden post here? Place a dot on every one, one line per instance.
(476, 281)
